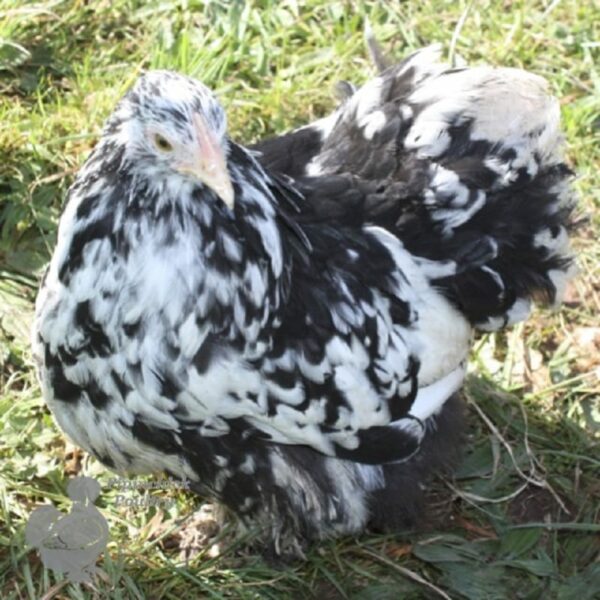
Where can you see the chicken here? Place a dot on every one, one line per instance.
(288, 326)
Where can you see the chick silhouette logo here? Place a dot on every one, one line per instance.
(70, 543)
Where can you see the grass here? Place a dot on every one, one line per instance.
(522, 515)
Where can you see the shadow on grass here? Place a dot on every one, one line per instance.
(518, 520)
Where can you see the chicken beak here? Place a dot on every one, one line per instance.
(209, 164)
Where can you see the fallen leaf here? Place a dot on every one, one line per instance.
(395, 551)
(483, 532)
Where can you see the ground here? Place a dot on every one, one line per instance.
(520, 519)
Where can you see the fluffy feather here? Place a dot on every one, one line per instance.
(461, 164)
(297, 355)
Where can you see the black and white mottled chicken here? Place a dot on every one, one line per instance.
(288, 326)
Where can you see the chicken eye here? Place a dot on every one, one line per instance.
(162, 143)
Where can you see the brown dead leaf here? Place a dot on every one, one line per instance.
(482, 532)
(73, 460)
(395, 551)
(529, 369)
(566, 100)
(154, 527)
(586, 343)
(197, 534)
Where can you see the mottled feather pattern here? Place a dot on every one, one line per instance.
(458, 163)
(298, 355)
